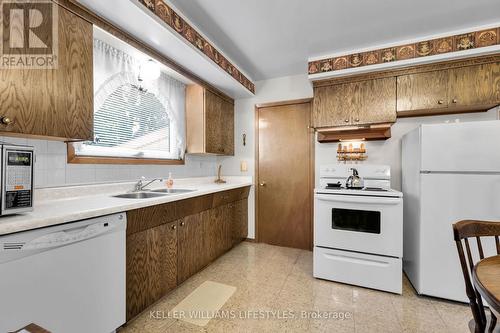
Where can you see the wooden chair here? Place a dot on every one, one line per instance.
(462, 231)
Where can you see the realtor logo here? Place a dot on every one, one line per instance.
(29, 34)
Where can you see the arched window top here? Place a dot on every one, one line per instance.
(134, 119)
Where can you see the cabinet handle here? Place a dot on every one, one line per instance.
(6, 120)
(347, 120)
(182, 224)
(174, 227)
(440, 101)
(455, 101)
(357, 120)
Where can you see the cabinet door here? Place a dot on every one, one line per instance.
(151, 266)
(218, 232)
(474, 86)
(422, 91)
(213, 123)
(227, 128)
(239, 224)
(333, 105)
(74, 118)
(192, 255)
(377, 102)
(54, 102)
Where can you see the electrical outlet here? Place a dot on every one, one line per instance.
(243, 166)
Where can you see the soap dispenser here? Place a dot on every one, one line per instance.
(170, 181)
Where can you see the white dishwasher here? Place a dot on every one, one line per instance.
(65, 278)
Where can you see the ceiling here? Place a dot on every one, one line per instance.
(273, 38)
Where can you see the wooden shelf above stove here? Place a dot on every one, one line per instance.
(369, 132)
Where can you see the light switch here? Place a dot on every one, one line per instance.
(243, 166)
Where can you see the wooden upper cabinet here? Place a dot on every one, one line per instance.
(474, 86)
(422, 91)
(377, 102)
(53, 103)
(454, 90)
(357, 103)
(333, 105)
(210, 122)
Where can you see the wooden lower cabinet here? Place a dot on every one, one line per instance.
(191, 255)
(151, 266)
(168, 243)
(239, 226)
(218, 231)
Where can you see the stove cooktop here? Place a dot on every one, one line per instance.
(365, 191)
(374, 189)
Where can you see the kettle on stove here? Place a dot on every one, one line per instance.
(354, 181)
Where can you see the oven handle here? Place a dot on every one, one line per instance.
(354, 260)
(358, 199)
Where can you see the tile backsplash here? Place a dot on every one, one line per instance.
(51, 168)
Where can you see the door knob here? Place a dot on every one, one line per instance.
(6, 120)
(263, 184)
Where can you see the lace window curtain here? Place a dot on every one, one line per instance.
(115, 69)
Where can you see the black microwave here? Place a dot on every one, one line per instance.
(17, 166)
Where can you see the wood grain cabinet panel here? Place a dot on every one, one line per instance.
(474, 86)
(218, 231)
(192, 255)
(239, 225)
(422, 91)
(210, 122)
(357, 103)
(333, 105)
(377, 102)
(151, 266)
(56, 103)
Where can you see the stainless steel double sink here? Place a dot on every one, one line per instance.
(153, 193)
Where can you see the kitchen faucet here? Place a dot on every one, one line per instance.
(139, 186)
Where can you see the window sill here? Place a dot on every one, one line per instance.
(75, 159)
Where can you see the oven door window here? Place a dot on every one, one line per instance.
(356, 220)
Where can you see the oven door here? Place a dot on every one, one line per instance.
(359, 223)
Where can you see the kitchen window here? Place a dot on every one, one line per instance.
(139, 112)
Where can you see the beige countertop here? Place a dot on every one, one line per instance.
(68, 204)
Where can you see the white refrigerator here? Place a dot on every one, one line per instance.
(451, 172)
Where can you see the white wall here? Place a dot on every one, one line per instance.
(51, 169)
(274, 90)
(297, 87)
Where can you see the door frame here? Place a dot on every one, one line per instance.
(311, 160)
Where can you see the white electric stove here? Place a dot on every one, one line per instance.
(358, 233)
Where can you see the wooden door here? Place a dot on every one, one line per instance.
(422, 92)
(474, 85)
(151, 266)
(333, 105)
(213, 123)
(377, 102)
(191, 255)
(284, 191)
